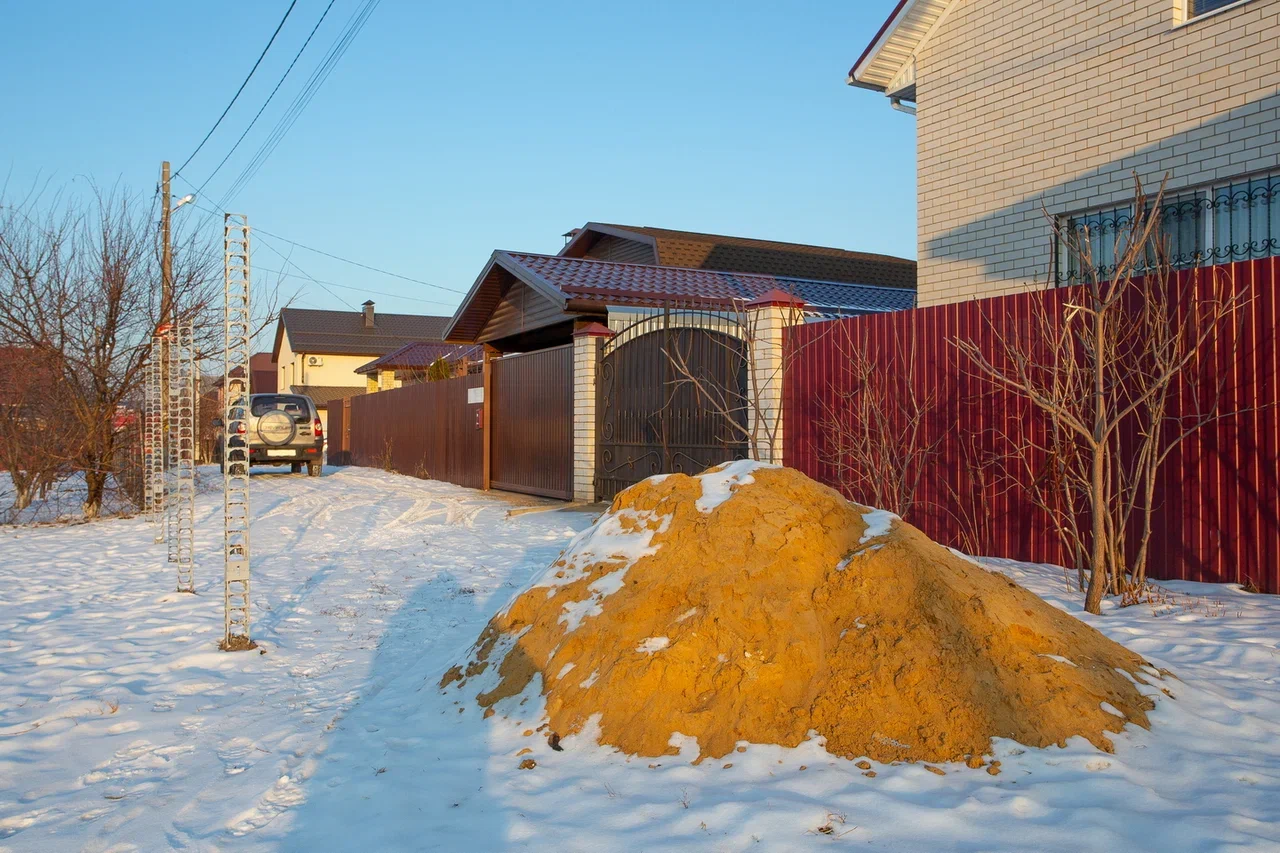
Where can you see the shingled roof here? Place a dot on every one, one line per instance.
(419, 355)
(584, 286)
(344, 332)
(696, 250)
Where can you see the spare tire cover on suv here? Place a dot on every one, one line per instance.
(276, 428)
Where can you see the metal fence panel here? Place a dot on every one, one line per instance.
(1218, 518)
(532, 423)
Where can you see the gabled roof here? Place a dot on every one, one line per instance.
(344, 333)
(419, 356)
(323, 395)
(697, 250)
(584, 286)
(888, 63)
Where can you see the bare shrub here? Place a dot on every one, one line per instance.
(1102, 374)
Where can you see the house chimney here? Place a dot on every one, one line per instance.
(368, 314)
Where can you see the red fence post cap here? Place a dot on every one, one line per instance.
(776, 298)
(593, 330)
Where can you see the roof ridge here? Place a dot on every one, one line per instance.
(858, 252)
(753, 275)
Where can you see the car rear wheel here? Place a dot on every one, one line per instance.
(314, 469)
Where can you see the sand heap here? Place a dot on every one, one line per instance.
(753, 604)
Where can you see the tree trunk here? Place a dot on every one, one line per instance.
(25, 491)
(1097, 475)
(95, 482)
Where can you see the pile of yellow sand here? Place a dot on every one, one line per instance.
(753, 604)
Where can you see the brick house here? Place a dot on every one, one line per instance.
(1028, 107)
(318, 352)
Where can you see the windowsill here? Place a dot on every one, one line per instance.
(1207, 15)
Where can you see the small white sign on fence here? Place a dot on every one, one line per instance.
(475, 395)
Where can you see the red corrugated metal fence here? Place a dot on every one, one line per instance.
(1218, 517)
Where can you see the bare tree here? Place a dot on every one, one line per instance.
(79, 284)
(753, 415)
(1102, 373)
(875, 426)
(35, 428)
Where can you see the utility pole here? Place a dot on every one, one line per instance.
(166, 250)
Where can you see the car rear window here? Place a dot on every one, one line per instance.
(296, 406)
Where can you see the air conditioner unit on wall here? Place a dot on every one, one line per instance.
(314, 361)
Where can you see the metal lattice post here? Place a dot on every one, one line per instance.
(169, 411)
(153, 448)
(182, 365)
(235, 445)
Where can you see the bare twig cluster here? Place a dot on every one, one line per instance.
(1102, 373)
(750, 413)
(875, 425)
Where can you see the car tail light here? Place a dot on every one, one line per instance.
(317, 429)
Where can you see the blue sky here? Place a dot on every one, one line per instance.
(449, 130)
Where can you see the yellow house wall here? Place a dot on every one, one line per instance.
(336, 370)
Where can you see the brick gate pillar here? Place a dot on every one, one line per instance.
(767, 317)
(587, 341)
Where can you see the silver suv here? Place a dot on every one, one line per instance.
(284, 429)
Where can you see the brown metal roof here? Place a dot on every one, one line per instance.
(419, 354)
(586, 286)
(343, 332)
(697, 250)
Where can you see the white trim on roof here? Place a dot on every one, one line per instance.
(890, 65)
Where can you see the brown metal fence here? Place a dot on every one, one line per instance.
(1219, 508)
(426, 430)
(532, 423)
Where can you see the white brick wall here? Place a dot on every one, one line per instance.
(586, 350)
(766, 375)
(1033, 105)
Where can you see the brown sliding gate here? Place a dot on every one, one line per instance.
(651, 423)
(532, 423)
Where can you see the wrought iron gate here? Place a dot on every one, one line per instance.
(649, 420)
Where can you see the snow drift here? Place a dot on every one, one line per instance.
(752, 604)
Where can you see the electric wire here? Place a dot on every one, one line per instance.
(258, 115)
(241, 89)
(302, 100)
(258, 230)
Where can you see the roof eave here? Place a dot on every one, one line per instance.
(514, 267)
(882, 36)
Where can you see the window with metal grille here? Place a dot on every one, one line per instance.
(1195, 8)
(1238, 220)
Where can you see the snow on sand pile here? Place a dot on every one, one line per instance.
(753, 604)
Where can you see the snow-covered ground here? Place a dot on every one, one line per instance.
(123, 728)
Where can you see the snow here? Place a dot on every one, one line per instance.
(653, 644)
(718, 483)
(879, 522)
(121, 726)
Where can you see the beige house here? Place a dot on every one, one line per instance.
(318, 352)
(1033, 107)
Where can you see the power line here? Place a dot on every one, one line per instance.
(359, 289)
(258, 230)
(306, 274)
(362, 266)
(303, 99)
(241, 89)
(296, 56)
